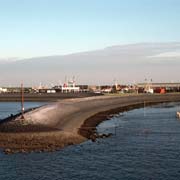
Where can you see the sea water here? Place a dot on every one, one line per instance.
(145, 145)
(8, 108)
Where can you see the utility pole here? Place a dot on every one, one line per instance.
(22, 101)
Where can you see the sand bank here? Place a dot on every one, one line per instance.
(69, 121)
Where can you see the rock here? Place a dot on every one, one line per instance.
(105, 135)
(93, 138)
(109, 134)
(8, 151)
(22, 151)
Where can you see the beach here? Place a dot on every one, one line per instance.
(68, 121)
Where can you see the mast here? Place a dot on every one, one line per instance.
(22, 101)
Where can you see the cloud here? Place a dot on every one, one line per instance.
(166, 55)
(126, 63)
(9, 59)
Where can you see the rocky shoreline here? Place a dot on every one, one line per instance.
(88, 129)
(68, 122)
(37, 141)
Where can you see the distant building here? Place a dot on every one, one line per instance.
(3, 90)
(149, 90)
(94, 88)
(106, 89)
(161, 87)
(83, 88)
(68, 86)
(160, 90)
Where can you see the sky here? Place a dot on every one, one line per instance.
(126, 64)
(32, 28)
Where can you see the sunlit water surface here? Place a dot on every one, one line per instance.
(145, 145)
(8, 108)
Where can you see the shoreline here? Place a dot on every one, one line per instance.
(88, 128)
(71, 121)
(43, 97)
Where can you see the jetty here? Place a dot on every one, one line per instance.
(68, 121)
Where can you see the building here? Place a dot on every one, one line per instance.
(162, 87)
(3, 90)
(67, 87)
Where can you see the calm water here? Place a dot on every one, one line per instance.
(145, 145)
(7, 108)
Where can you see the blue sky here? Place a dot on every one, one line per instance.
(30, 28)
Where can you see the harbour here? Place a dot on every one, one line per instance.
(90, 90)
(154, 139)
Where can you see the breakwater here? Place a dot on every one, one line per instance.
(74, 121)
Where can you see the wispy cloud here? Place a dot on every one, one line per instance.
(7, 59)
(166, 55)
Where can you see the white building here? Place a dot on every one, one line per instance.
(149, 90)
(3, 90)
(70, 87)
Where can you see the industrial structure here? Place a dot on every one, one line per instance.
(160, 87)
(69, 86)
